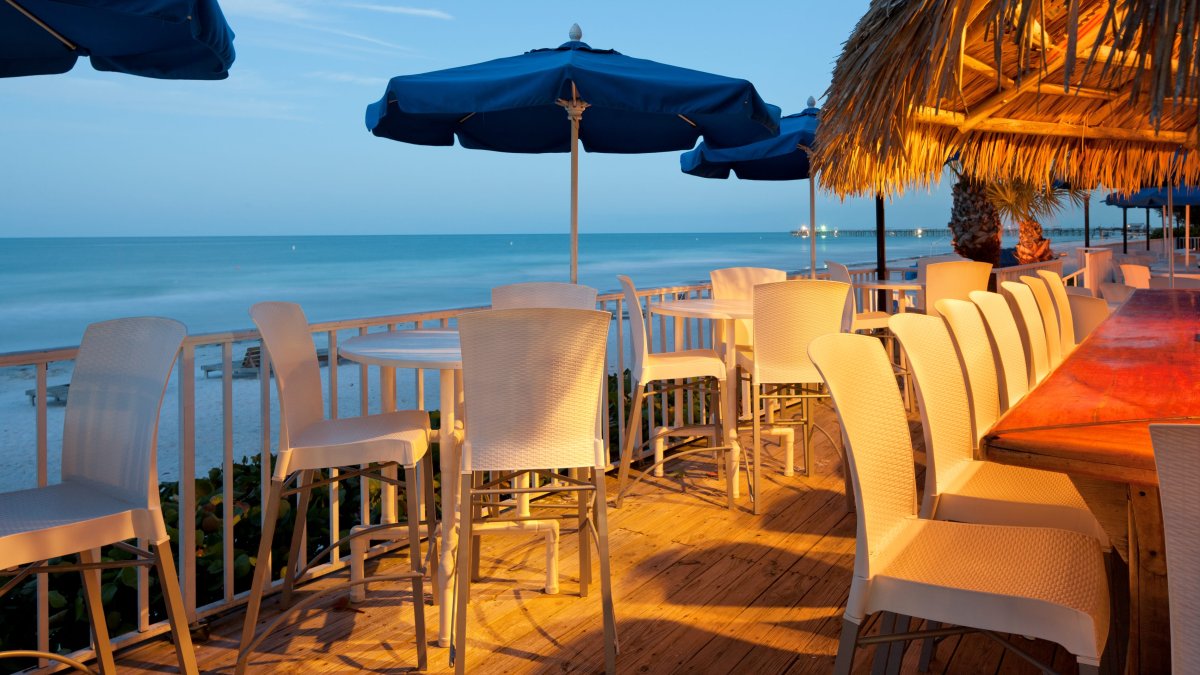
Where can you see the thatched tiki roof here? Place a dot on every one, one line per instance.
(1087, 91)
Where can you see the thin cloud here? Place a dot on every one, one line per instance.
(363, 38)
(349, 78)
(271, 10)
(400, 9)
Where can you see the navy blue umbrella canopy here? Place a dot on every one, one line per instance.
(551, 100)
(1155, 198)
(784, 157)
(166, 39)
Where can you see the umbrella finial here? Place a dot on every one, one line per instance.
(812, 102)
(576, 33)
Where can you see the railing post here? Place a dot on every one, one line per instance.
(186, 387)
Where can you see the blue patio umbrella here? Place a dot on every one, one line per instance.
(784, 157)
(167, 39)
(551, 100)
(1163, 198)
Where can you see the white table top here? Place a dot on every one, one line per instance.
(705, 308)
(437, 349)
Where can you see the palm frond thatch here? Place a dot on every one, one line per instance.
(1086, 91)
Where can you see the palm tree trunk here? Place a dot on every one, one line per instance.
(974, 222)
(1031, 245)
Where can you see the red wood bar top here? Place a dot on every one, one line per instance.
(1091, 416)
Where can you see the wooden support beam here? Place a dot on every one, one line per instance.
(997, 124)
(981, 67)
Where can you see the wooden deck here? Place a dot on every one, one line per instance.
(697, 588)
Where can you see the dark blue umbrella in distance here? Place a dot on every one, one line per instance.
(166, 39)
(784, 157)
(1163, 198)
(551, 100)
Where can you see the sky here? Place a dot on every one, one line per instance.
(280, 147)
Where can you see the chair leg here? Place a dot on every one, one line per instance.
(928, 647)
(412, 489)
(1086, 669)
(465, 540)
(846, 647)
(585, 548)
(896, 655)
(754, 478)
(168, 580)
(262, 573)
(95, 607)
(435, 577)
(611, 647)
(635, 420)
(298, 531)
(477, 479)
(883, 650)
(806, 407)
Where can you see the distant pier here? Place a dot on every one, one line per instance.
(944, 232)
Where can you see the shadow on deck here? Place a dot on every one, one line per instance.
(697, 589)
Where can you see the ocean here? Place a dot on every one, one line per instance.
(51, 289)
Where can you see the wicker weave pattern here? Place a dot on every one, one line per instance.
(1057, 569)
(286, 337)
(545, 294)
(1029, 323)
(1087, 313)
(855, 320)
(1066, 323)
(1006, 346)
(1177, 453)
(1045, 305)
(878, 446)
(975, 354)
(942, 392)
(111, 426)
(788, 315)
(737, 283)
(953, 279)
(637, 327)
(531, 381)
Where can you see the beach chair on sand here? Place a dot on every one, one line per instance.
(249, 366)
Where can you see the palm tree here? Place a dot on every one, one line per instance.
(974, 222)
(1027, 204)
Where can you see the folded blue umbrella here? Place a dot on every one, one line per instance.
(551, 100)
(167, 39)
(1155, 198)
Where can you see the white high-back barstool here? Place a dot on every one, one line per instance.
(1177, 456)
(1136, 276)
(531, 381)
(965, 574)
(1025, 310)
(737, 283)
(953, 279)
(666, 367)
(856, 320)
(1005, 339)
(545, 294)
(1050, 325)
(1062, 307)
(1087, 313)
(309, 442)
(109, 488)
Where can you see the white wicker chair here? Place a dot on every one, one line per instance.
(787, 316)
(1136, 276)
(309, 442)
(857, 321)
(531, 424)
(737, 283)
(109, 488)
(1087, 313)
(1176, 449)
(1050, 325)
(545, 294)
(1062, 307)
(1005, 339)
(963, 574)
(1033, 331)
(953, 279)
(1115, 294)
(666, 367)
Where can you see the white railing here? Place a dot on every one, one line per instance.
(202, 441)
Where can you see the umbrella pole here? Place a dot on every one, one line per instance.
(1087, 222)
(574, 108)
(1187, 235)
(1169, 233)
(1147, 228)
(1124, 230)
(881, 272)
(812, 218)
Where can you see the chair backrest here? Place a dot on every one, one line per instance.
(637, 327)
(1045, 307)
(839, 272)
(1179, 282)
(977, 360)
(1029, 322)
(942, 396)
(1087, 313)
(1137, 276)
(1058, 293)
(531, 382)
(924, 263)
(1177, 455)
(787, 316)
(110, 431)
(954, 280)
(1005, 339)
(544, 294)
(289, 344)
(1114, 292)
(737, 283)
(879, 451)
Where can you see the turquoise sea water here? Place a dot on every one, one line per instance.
(50, 289)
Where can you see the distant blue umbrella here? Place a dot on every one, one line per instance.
(1157, 198)
(784, 157)
(167, 39)
(550, 100)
